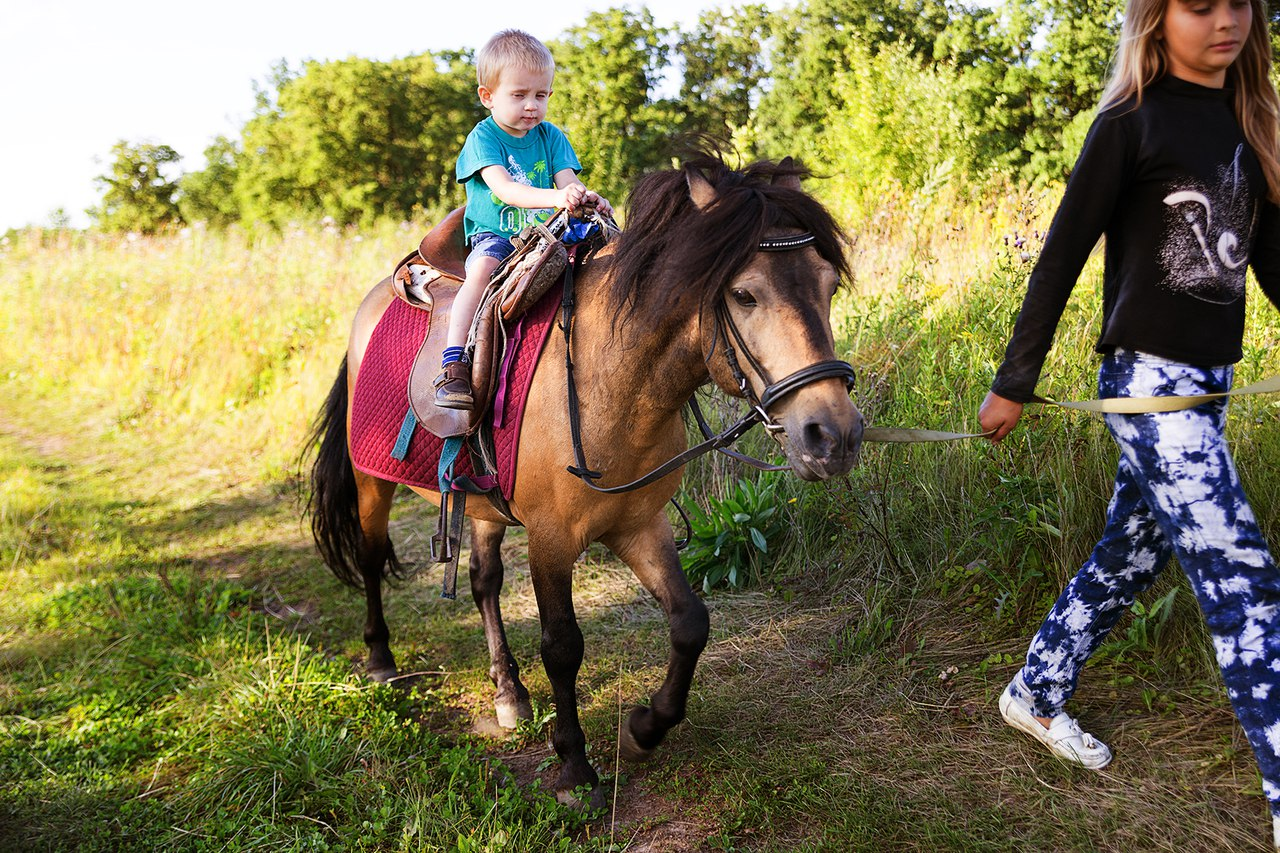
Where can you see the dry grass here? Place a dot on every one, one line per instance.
(944, 241)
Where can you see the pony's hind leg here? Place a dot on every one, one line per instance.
(375, 556)
(511, 699)
(349, 510)
(651, 554)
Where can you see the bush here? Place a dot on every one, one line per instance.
(730, 540)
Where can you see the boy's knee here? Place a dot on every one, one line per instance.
(480, 269)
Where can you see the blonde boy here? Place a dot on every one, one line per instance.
(516, 168)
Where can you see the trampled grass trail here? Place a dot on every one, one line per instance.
(179, 671)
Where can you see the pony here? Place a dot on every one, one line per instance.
(716, 266)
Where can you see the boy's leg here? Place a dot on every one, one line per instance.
(479, 271)
(453, 387)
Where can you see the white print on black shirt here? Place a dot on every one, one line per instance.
(1202, 254)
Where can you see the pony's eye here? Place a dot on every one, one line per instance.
(742, 297)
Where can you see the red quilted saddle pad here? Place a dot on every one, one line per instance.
(382, 397)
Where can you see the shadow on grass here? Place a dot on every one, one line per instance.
(70, 817)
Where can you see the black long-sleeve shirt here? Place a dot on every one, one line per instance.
(1182, 200)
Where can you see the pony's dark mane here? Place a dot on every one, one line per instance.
(671, 249)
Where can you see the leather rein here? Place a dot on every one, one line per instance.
(727, 331)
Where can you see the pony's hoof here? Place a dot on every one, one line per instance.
(381, 676)
(511, 713)
(595, 801)
(630, 750)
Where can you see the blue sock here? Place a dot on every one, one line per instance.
(452, 354)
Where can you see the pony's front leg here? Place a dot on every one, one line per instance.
(511, 699)
(551, 567)
(651, 553)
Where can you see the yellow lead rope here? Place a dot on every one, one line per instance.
(897, 435)
(1144, 405)
(1114, 405)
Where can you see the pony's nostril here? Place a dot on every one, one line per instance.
(821, 441)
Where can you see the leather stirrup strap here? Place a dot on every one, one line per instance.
(446, 543)
(449, 586)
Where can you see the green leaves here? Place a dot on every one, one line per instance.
(358, 140)
(139, 195)
(730, 540)
(881, 95)
(725, 62)
(607, 73)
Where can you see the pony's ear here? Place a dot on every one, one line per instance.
(700, 189)
(790, 181)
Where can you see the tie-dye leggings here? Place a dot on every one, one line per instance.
(1176, 492)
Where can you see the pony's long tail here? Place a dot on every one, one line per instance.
(333, 501)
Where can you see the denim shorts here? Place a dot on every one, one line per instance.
(486, 244)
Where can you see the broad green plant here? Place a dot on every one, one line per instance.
(734, 539)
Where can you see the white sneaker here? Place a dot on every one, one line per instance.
(1064, 736)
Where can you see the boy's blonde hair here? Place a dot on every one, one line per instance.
(1140, 61)
(511, 49)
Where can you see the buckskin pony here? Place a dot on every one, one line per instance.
(720, 275)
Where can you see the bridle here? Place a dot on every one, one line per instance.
(773, 391)
(727, 331)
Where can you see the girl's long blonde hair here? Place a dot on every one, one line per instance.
(1140, 61)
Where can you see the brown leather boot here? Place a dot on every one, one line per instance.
(453, 387)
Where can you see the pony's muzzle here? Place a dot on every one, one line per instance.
(827, 447)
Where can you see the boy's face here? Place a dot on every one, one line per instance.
(519, 101)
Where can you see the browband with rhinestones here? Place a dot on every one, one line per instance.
(786, 243)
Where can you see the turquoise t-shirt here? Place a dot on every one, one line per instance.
(532, 160)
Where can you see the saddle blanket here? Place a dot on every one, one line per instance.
(381, 398)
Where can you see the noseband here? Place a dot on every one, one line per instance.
(773, 391)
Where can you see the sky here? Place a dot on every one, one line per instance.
(76, 77)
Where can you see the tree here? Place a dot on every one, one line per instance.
(989, 51)
(138, 196)
(725, 60)
(811, 40)
(358, 140)
(607, 71)
(1067, 78)
(210, 195)
(895, 126)
(1274, 28)
(1032, 72)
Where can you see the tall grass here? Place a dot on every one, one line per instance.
(1016, 520)
(203, 339)
(222, 346)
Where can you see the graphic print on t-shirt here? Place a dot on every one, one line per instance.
(514, 219)
(1204, 253)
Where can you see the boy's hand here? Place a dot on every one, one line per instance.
(598, 203)
(574, 195)
(998, 416)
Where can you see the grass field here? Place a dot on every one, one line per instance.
(179, 671)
